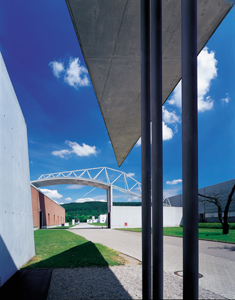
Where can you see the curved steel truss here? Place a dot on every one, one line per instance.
(102, 177)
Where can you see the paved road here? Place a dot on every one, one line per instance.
(216, 260)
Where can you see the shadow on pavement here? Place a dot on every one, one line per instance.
(86, 283)
(78, 273)
(27, 285)
(232, 248)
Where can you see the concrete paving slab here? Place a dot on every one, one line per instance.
(122, 241)
(216, 260)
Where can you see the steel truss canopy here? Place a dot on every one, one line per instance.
(108, 32)
(102, 178)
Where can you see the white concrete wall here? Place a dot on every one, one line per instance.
(172, 216)
(16, 221)
(125, 214)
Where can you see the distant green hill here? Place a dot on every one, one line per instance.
(86, 210)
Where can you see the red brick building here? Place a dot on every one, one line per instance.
(46, 212)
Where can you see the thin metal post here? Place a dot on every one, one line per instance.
(145, 149)
(190, 148)
(109, 204)
(157, 169)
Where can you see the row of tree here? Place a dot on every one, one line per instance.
(86, 210)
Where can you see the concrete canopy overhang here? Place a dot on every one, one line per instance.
(108, 32)
(80, 181)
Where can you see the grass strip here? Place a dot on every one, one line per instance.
(203, 233)
(215, 225)
(99, 224)
(64, 249)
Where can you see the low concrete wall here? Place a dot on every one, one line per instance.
(130, 216)
(126, 214)
(16, 222)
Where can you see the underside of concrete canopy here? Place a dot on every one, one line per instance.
(109, 35)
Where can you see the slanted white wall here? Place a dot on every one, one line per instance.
(172, 216)
(16, 221)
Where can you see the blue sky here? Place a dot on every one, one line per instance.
(65, 127)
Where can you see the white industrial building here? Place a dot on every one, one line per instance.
(102, 218)
(208, 212)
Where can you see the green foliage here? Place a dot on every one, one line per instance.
(215, 225)
(86, 210)
(99, 224)
(127, 203)
(64, 249)
(211, 234)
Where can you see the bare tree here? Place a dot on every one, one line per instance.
(216, 199)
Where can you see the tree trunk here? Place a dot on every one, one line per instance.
(226, 225)
(225, 228)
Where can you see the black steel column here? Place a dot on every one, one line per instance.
(157, 169)
(190, 148)
(145, 149)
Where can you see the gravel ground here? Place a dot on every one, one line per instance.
(118, 282)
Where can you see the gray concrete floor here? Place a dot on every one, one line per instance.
(216, 260)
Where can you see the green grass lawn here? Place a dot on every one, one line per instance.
(203, 233)
(62, 227)
(99, 224)
(64, 249)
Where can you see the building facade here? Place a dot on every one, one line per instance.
(208, 212)
(46, 212)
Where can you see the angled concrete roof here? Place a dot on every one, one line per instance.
(109, 35)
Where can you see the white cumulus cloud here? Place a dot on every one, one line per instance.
(53, 194)
(61, 153)
(82, 200)
(175, 181)
(84, 150)
(79, 150)
(226, 99)
(167, 132)
(57, 68)
(74, 74)
(68, 199)
(130, 174)
(138, 143)
(207, 71)
(170, 117)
